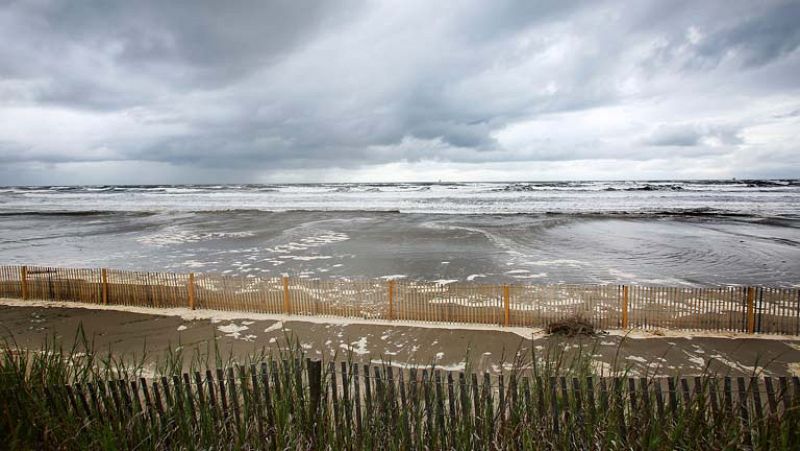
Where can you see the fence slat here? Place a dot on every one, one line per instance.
(438, 412)
(733, 309)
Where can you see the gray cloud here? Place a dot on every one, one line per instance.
(85, 50)
(757, 40)
(690, 135)
(263, 88)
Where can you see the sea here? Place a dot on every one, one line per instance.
(677, 233)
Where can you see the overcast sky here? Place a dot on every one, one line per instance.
(153, 91)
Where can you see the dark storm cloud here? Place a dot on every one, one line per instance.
(183, 45)
(757, 40)
(265, 86)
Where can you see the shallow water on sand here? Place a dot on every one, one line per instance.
(522, 248)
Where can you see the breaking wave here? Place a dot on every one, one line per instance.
(745, 198)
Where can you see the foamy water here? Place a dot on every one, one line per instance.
(661, 233)
(758, 197)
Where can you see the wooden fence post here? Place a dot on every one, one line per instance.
(23, 282)
(506, 306)
(104, 288)
(287, 303)
(391, 300)
(751, 311)
(624, 307)
(190, 290)
(314, 371)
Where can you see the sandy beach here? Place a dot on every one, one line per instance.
(448, 347)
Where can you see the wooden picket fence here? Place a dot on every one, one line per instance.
(358, 402)
(725, 309)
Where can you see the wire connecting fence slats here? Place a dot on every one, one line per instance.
(63, 284)
(719, 309)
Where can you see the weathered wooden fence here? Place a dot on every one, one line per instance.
(730, 308)
(355, 403)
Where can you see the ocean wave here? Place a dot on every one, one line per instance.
(771, 183)
(79, 213)
(648, 188)
(774, 198)
(516, 186)
(355, 189)
(785, 220)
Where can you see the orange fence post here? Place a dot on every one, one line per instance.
(506, 305)
(104, 289)
(23, 282)
(391, 300)
(190, 290)
(624, 306)
(287, 303)
(751, 311)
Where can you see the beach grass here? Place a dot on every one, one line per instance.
(71, 396)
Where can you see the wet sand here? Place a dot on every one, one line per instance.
(126, 333)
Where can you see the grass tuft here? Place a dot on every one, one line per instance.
(75, 397)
